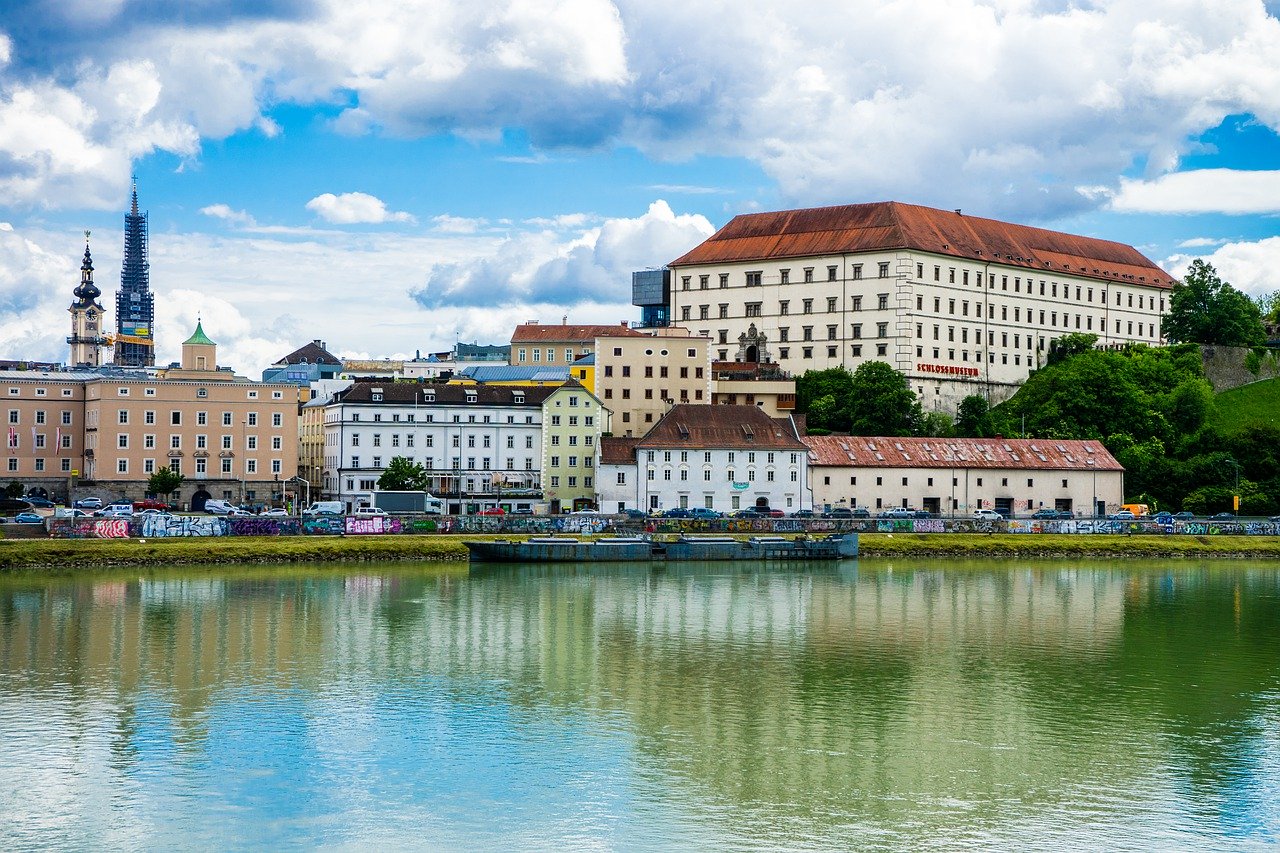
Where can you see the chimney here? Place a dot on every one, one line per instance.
(623, 324)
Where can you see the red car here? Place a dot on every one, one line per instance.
(149, 503)
(497, 510)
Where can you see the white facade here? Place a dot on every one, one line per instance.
(479, 453)
(954, 325)
(721, 479)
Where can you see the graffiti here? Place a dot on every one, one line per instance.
(584, 524)
(930, 525)
(323, 525)
(171, 526)
(371, 525)
(111, 528)
(262, 526)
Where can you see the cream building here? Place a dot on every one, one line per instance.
(573, 421)
(955, 476)
(960, 304)
(639, 377)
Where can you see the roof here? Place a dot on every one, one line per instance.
(417, 394)
(703, 425)
(618, 451)
(198, 337)
(483, 373)
(533, 333)
(1029, 453)
(886, 225)
(312, 353)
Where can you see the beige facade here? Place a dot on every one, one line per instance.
(639, 378)
(749, 384)
(535, 344)
(105, 432)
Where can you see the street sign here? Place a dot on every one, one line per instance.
(75, 472)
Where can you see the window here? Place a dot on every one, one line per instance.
(884, 269)
(753, 309)
(724, 279)
(753, 278)
(808, 306)
(784, 276)
(122, 441)
(175, 418)
(831, 273)
(123, 416)
(857, 272)
(882, 301)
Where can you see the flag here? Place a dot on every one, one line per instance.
(13, 439)
(57, 442)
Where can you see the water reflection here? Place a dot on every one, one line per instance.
(871, 705)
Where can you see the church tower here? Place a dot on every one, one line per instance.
(135, 307)
(87, 317)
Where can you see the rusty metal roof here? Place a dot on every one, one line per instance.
(891, 225)
(1032, 454)
(618, 451)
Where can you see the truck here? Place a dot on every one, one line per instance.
(398, 503)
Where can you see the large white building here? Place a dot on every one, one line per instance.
(481, 445)
(719, 457)
(955, 476)
(960, 304)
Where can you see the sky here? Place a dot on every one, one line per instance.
(391, 177)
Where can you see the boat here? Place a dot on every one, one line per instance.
(567, 549)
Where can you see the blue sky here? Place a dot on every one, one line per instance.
(389, 176)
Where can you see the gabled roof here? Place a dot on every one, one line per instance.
(447, 395)
(889, 225)
(533, 333)
(312, 353)
(618, 451)
(706, 426)
(857, 451)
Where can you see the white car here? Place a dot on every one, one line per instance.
(987, 515)
(115, 512)
(276, 512)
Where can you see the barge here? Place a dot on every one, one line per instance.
(619, 549)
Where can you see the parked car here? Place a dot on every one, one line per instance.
(839, 512)
(1046, 512)
(115, 511)
(677, 512)
(1223, 516)
(585, 512)
(42, 503)
(150, 503)
(88, 503)
(635, 513)
(897, 512)
(71, 512)
(860, 512)
(214, 506)
(748, 512)
(1184, 515)
(1164, 516)
(1122, 515)
(704, 513)
(987, 515)
(152, 511)
(276, 512)
(804, 513)
(495, 510)
(238, 511)
(28, 518)
(922, 513)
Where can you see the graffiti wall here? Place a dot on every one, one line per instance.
(165, 527)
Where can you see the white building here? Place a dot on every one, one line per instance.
(959, 475)
(482, 445)
(719, 457)
(960, 304)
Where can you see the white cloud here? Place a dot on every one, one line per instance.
(457, 224)
(1249, 266)
(227, 214)
(1229, 191)
(1200, 242)
(352, 208)
(593, 265)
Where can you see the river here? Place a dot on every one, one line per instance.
(874, 706)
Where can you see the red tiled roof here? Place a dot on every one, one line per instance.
(537, 332)
(1029, 453)
(893, 225)
(691, 425)
(618, 451)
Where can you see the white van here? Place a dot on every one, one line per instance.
(369, 511)
(324, 508)
(213, 506)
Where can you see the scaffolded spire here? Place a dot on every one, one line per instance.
(135, 305)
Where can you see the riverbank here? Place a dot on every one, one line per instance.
(88, 554)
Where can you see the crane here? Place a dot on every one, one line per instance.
(111, 339)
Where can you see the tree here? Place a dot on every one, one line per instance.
(164, 481)
(1069, 345)
(1204, 309)
(812, 390)
(881, 402)
(973, 419)
(937, 425)
(403, 475)
(14, 489)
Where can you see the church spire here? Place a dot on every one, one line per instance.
(87, 291)
(135, 305)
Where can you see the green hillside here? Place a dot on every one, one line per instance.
(1254, 404)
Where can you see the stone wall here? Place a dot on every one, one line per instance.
(1228, 367)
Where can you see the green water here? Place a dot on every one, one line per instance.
(878, 705)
